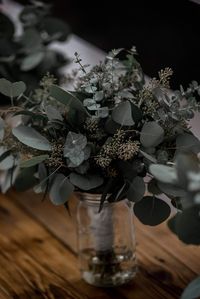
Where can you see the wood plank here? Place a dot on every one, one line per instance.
(166, 264)
(33, 264)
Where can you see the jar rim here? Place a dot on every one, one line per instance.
(92, 197)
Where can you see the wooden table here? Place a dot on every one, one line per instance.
(38, 256)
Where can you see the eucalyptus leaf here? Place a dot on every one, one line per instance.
(76, 157)
(87, 152)
(66, 98)
(163, 173)
(32, 61)
(98, 96)
(148, 157)
(43, 181)
(188, 142)
(93, 107)
(171, 190)
(2, 125)
(102, 112)
(192, 291)
(151, 210)
(136, 189)
(26, 179)
(61, 189)
(122, 114)
(136, 113)
(187, 225)
(8, 161)
(153, 187)
(185, 163)
(88, 102)
(8, 178)
(12, 89)
(33, 161)
(86, 182)
(53, 113)
(152, 134)
(74, 144)
(32, 138)
(31, 41)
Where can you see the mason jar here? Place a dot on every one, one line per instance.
(106, 241)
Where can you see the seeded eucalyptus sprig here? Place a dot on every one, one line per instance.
(100, 138)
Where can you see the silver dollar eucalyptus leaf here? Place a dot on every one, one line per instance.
(152, 134)
(61, 189)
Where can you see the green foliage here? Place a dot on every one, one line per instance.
(29, 57)
(151, 210)
(104, 136)
(32, 138)
(61, 189)
(33, 161)
(122, 114)
(152, 134)
(12, 90)
(193, 290)
(86, 182)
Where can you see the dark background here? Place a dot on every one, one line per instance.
(165, 33)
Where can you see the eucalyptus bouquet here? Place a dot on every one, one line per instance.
(100, 138)
(27, 55)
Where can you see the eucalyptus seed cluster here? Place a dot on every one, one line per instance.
(56, 157)
(109, 150)
(128, 150)
(94, 131)
(165, 76)
(117, 147)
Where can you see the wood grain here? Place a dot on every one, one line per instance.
(38, 256)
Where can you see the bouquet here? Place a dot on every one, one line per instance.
(100, 138)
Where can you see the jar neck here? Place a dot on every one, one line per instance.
(93, 198)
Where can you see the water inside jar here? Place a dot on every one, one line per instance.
(108, 268)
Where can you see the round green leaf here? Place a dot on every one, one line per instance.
(31, 41)
(192, 291)
(152, 210)
(152, 134)
(31, 137)
(12, 89)
(31, 61)
(74, 144)
(61, 189)
(136, 190)
(187, 225)
(122, 114)
(153, 187)
(86, 182)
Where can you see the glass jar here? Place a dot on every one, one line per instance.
(106, 241)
